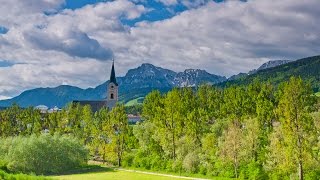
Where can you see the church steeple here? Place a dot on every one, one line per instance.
(113, 74)
(112, 95)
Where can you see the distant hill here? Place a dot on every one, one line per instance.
(307, 68)
(269, 64)
(136, 83)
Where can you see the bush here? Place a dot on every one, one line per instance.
(156, 162)
(191, 162)
(141, 160)
(44, 154)
(128, 160)
(202, 170)
(314, 174)
(254, 170)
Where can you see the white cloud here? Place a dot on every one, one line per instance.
(168, 2)
(4, 97)
(222, 38)
(17, 12)
(194, 3)
(74, 43)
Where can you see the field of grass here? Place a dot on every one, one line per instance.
(138, 100)
(114, 175)
(98, 172)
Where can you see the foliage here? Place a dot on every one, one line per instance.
(239, 131)
(254, 131)
(42, 154)
(134, 109)
(4, 175)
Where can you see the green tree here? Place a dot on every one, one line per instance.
(118, 130)
(87, 124)
(231, 146)
(297, 125)
(101, 127)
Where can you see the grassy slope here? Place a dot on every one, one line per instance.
(134, 101)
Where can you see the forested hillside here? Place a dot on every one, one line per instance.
(307, 68)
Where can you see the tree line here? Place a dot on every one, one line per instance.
(103, 132)
(257, 131)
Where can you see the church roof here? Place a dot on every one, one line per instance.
(113, 75)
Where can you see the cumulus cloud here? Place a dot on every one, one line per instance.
(194, 3)
(231, 37)
(168, 2)
(14, 12)
(74, 43)
(187, 3)
(222, 38)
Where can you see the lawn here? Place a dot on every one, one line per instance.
(114, 175)
(97, 172)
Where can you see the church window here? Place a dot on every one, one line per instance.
(111, 96)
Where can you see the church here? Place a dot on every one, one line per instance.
(112, 95)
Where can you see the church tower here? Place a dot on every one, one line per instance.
(112, 96)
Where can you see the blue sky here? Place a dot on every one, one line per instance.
(74, 4)
(3, 30)
(158, 10)
(4, 63)
(48, 43)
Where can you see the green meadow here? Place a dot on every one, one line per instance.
(115, 175)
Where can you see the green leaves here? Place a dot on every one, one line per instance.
(44, 154)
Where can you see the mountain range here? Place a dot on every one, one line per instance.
(141, 80)
(136, 83)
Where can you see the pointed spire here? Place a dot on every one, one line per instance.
(113, 74)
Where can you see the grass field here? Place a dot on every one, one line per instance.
(138, 100)
(97, 172)
(114, 175)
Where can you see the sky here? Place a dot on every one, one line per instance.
(46, 43)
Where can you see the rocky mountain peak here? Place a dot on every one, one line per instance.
(273, 63)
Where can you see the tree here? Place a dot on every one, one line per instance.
(118, 131)
(296, 123)
(171, 121)
(230, 146)
(87, 124)
(100, 132)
